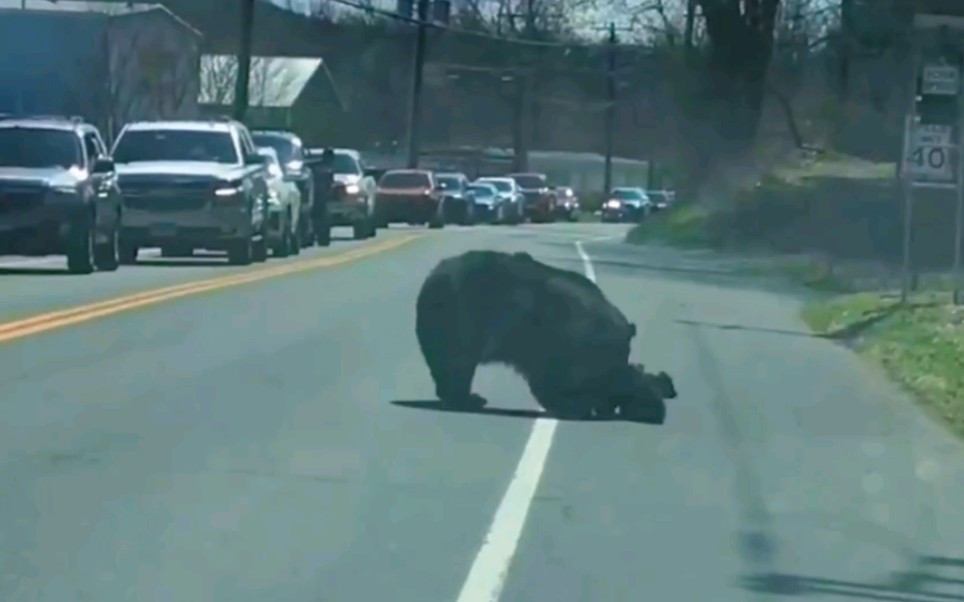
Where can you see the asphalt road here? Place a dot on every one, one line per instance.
(241, 443)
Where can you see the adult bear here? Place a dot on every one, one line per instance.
(554, 327)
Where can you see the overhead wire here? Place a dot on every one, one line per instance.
(461, 31)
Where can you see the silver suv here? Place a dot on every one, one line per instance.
(192, 185)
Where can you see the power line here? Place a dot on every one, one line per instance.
(457, 30)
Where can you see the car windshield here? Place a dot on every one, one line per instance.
(286, 149)
(176, 145)
(530, 181)
(627, 194)
(448, 182)
(500, 185)
(346, 165)
(482, 191)
(38, 147)
(404, 180)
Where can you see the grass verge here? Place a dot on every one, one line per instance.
(920, 346)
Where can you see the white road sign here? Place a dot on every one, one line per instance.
(928, 152)
(944, 80)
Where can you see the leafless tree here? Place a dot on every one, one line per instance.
(270, 84)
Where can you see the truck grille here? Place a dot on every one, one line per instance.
(167, 196)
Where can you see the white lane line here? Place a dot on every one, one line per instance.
(491, 567)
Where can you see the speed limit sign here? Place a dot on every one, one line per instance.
(928, 155)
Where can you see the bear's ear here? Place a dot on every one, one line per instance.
(667, 386)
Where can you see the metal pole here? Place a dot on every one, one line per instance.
(610, 108)
(244, 61)
(905, 283)
(959, 216)
(415, 104)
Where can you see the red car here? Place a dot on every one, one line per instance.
(409, 196)
(540, 198)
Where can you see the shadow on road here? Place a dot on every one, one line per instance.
(183, 263)
(916, 585)
(437, 406)
(34, 272)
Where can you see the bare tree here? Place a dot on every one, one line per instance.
(272, 80)
(144, 72)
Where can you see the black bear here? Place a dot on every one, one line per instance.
(554, 327)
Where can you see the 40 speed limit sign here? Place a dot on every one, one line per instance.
(928, 155)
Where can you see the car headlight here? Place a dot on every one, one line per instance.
(352, 189)
(228, 191)
(612, 204)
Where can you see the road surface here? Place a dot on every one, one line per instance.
(265, 433)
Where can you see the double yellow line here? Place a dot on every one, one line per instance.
(58, 319)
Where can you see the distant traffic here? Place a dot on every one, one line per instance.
(215, 185)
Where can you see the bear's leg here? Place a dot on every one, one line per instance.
(453, 383)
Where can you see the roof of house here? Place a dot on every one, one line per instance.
(275, 82)
(107, 9)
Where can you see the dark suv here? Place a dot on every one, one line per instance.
(292, 155)
(58, 192)
(192, 185)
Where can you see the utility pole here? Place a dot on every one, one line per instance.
(610, 126)
(610, 108)
(415, 103)
(244, 61)
(521, 110)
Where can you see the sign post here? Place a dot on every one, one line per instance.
(931, 155)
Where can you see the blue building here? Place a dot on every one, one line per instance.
(109, 62)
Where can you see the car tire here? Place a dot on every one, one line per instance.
(283, 248)
(323, 236)
(81, 247)
(359, 230)
(241, 252)
(107, 255)
(128, 254)
(259, 250)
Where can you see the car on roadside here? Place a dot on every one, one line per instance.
(409, 196)
(284, 207)
(458, 203)
(662, 199)
(626, 204)
(192, 185)
(567, 204)
(58, 192)
(485, 197)
(540, 198)
(510, 204)
(292, 156)
(351, 201)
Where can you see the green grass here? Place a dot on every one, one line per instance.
(684, 226)
(920, 346)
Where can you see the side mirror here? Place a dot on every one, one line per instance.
(255, 159)
(103, 165)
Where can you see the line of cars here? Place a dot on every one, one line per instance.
(436, 198)
(184, 186)
(180, 186)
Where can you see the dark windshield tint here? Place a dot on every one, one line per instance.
(482, 191)
(286, 149)
(175, 145)
(627, 194)
(530, 181)
(38, 147)
(346, 165)
(501, 185)
(448, 182)
(404, 180)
